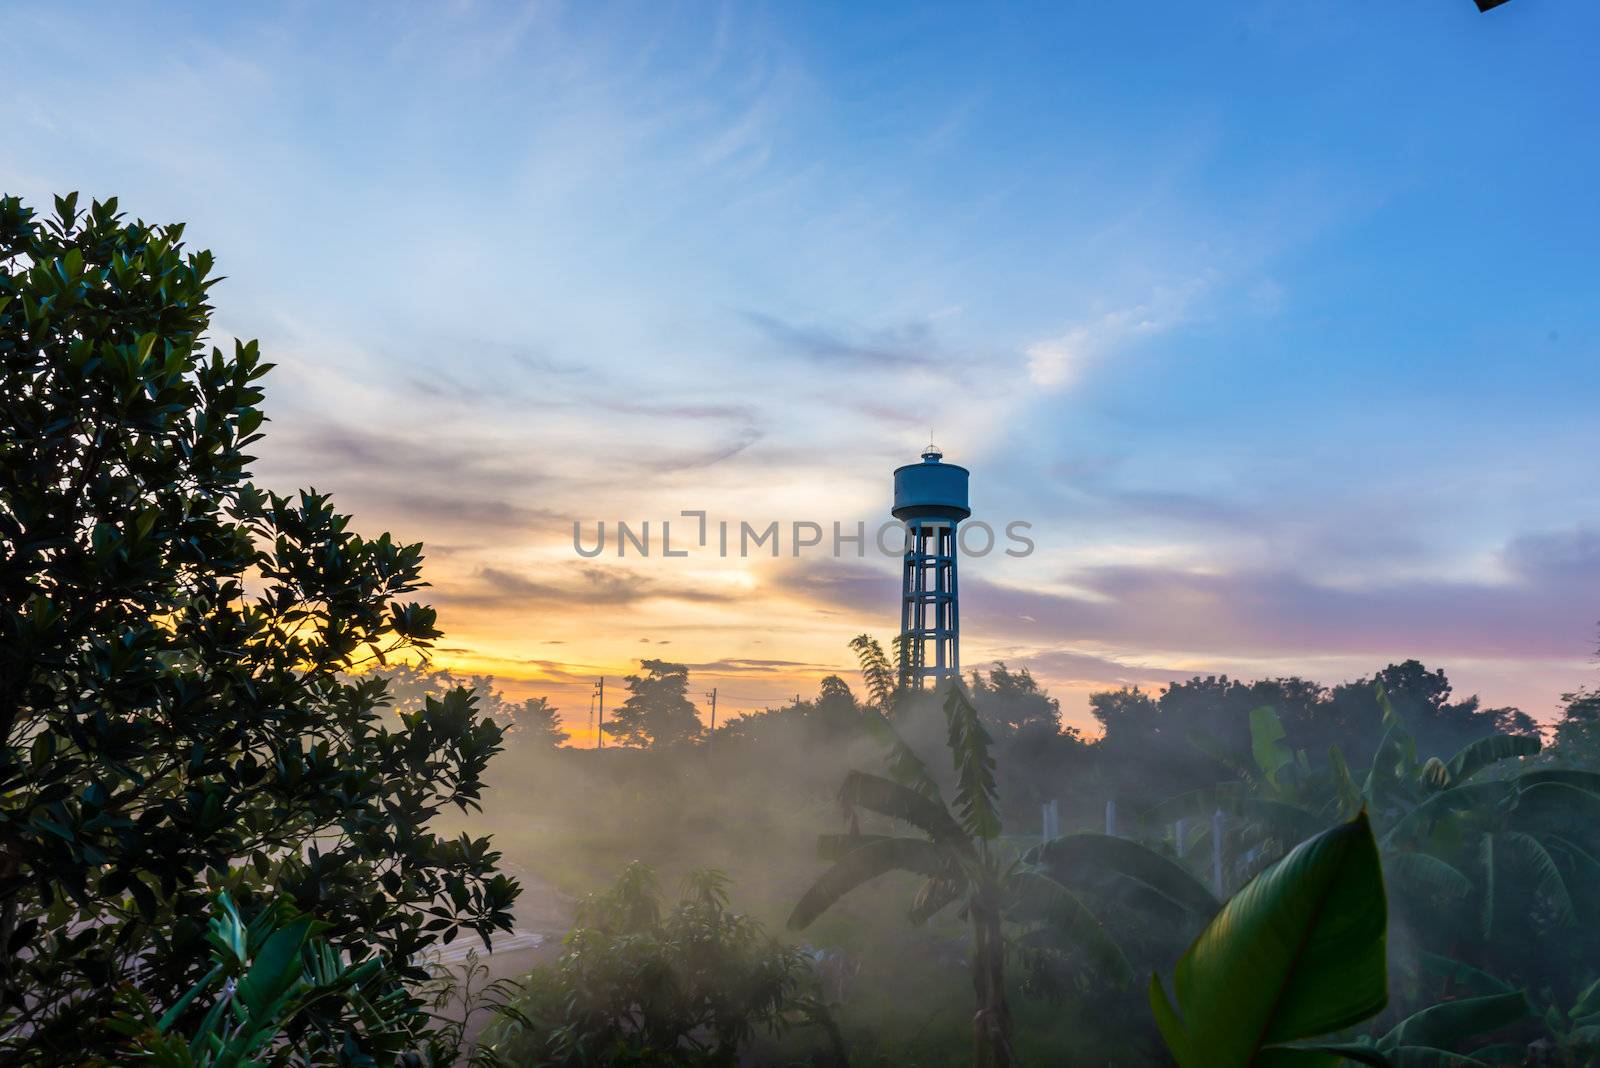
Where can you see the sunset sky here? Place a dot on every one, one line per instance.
(1276, 320)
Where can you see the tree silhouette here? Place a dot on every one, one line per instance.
(658, 712)
(537, 722)
(177, 704)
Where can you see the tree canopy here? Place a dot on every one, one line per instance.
(177, 713)
(657, 712)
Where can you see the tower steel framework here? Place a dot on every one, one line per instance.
(930, 499)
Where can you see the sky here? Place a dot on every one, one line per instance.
(1276, 321)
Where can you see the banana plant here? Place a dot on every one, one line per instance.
(1529, 837)
(1300, 953)
(1575, 1031)
(1428, 1038)
(1479, 860)
(1297, 953)
(1149, 903)
(1279, 800)
(957, 851)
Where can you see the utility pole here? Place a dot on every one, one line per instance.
(600, 696)
(711, 740)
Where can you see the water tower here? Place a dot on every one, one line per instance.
(930, 498)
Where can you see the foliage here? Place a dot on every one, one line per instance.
(1297, 953)
(657, 712)
(636, 985)
(833, 716)
(533, 721)
(456, 995)
(164, 733)
(1131, 903)
(275, 987)
(1439, 821)
(1573, 1031)
(1013, 702)
(835, 708)
(1154, 737)
(958, 859)
(882, 681)
(1577, 733)
(536, 722)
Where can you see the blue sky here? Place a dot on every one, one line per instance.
(1276, 319)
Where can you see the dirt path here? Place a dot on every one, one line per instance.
(542, 916)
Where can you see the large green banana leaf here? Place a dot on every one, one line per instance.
(1299, 952)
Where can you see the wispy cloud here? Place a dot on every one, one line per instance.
(1062, 360)
(524, 263)
(569, 585)
(905, 347)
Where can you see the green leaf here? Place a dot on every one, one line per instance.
(833, 846)
(1171, 1027)
(1549, 880)
(970, 746)
(1491, 750)
(1036, 895)
(905, 766)
(1427, 872)
(182, 1003)
(1396, 757)
(1449, 1022)
(888, 798)
(1454, 972)
(1588, 1002)
(1583, 780)
(1071, 854)
(872, 859)
(1268, 744)
(1350, 799)
(275, 966)
(934, 894)
(1299, 952)
(1432, 1057)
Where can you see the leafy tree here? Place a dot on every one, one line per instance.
(1577, 732)
(1199, 731)
(636, 985)
(164, 733)
(835, 694)
(537, 722)
(1013, 702)
(1422, 700)
(532, 721)
(410, 685)
(657, 712)
(835, 708)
